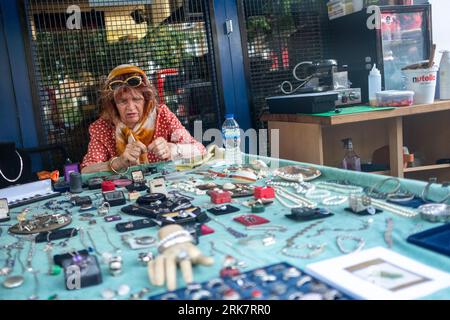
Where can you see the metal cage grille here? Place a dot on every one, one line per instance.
(73, 48)
(279, 34)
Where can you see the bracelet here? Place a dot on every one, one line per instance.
(435, 212)
(113, 170)
(375, 190)
(426, 190)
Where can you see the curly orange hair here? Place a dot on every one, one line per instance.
(108, 108)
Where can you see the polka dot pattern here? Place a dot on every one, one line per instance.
(102, 144)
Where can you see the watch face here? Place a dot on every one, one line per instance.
(113, 195)
(4, 209)
(137, 175)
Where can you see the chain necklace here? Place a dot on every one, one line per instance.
(20, 171)
(365, 225)
(115, 248)
(15, 281)
(290, 244)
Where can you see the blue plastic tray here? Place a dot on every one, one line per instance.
(435, 239)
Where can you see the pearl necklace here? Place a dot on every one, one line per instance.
(339, 188)
(300, 187)
(299, 201)
(393, 208)
(20, 171)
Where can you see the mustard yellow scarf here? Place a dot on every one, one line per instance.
(142, 131)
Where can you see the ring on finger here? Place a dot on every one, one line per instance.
(182, 255)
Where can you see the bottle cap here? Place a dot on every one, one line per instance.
(375, 71)
(348, 143)
(229, 116)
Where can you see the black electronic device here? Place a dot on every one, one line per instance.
(308, 103)
(95, 183)
(4, 210)
(80, 201)
(114, 198)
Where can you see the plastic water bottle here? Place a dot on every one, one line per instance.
(232, 140)
(444, 75)
(374, 85)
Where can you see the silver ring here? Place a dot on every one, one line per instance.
(295, 296)
(201, 295)
(191, 288)
(214, 283)
(170, 296)
(182, 255)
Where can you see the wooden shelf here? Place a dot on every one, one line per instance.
(422, 128)
(429, 167)
(358, 117)
(385, 173)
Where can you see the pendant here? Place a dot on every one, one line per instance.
(13, 282)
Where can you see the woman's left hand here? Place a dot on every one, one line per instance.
(160, 147)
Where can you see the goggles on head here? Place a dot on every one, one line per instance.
(133, 81)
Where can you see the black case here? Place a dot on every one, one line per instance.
(308, 103)
(135, 225)
(57, 234)
(90, 272)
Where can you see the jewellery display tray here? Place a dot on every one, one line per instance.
(266, 283)
(241, 190)
(435, 239)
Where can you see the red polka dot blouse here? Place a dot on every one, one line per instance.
(102, 144)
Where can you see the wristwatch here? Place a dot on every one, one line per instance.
(178, 154)
(435, 212)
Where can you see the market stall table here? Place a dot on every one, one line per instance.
(39, 284)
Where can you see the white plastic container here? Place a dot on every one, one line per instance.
(374, 85)
(395, 98)
(358, 5)
(444, 76)
(423, 83)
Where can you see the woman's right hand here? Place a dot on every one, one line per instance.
(132, 152)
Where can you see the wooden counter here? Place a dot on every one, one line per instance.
(424, 129)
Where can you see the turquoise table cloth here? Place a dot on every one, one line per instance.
(135, 274)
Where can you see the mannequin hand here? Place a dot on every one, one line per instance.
(160, 147)
(164, 267)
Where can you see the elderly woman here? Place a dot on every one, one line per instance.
(133, 127)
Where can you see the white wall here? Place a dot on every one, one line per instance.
(441, 26)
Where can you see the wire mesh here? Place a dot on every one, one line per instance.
(280, 34)
(73, 48)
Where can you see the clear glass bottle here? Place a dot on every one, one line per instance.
(351, 160)
(232, 140)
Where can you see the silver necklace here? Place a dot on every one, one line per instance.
(290, 244)
(341, 238)
(115, 248)
(15, 281)
(30, 269)
(20, 171)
